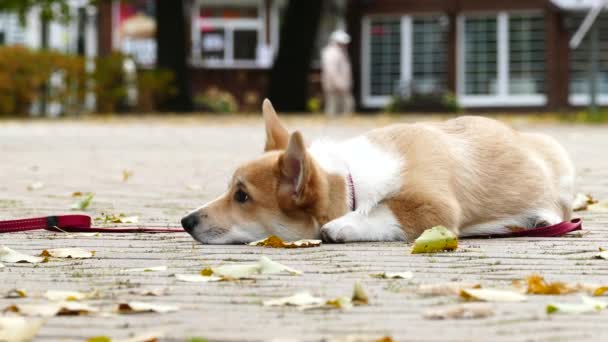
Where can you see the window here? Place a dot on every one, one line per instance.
(403, 56)
(526, 54)
(383, 58)
(502, 60)
(480, 48)
(227, 34)
(429, 57)
(579, 65)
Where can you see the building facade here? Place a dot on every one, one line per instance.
(490, 54)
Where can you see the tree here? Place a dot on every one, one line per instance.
(171, 51)
(288, 88)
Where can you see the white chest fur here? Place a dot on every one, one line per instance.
(376, 172)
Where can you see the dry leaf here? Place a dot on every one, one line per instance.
(198, 278)
(84, 203)
(302, 299)
(600, 207)
(76, 194)
(492, 295)
(147, 269)
(602, 255)
(113, 218)
(73, 253)
(276, 242)
(445, 289)
(126, 174)
(52, 309)
(582, 201)
(12, 256)
(436, 239)
(359, 296)
(460, 311)
(19, 329)
(61, 296)
(588, 305)
(35, 186)
(141, 307)
(393, 275)
(16, 293)
(538, 285)
(268, 266)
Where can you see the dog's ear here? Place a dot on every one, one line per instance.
(277, 135)
(295, 167)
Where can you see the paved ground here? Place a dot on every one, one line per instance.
(178, 164)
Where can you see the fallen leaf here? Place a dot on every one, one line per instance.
(538, 285)
(16, 293)
(302, 299)
(268, 266)
(600, 207)
(141, 307)
(460, 311)
(147, 269)
(393, 275)
(73, 253)
(52, 309)
(436, 239)
(600, 290)
(492, 295)
(12, 256)
(126, 174)
(84, 203)
(445, 289)
(340, 303)
(588, 305)
(19, 329)
(151, 292)
(276, 242)
(99, 339)
(244, 271)
(60, 295)
(602, 255)
(582, 201)
(113, 218)
(359, 296)
(35, 186)
(198, 278)
(76, 194)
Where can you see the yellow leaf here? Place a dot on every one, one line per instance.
(436, 239)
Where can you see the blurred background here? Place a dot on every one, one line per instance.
(84, 57)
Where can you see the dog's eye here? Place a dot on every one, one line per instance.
(241, 196)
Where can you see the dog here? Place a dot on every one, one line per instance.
(472, 174)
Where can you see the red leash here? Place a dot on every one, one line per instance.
(73, 224)
(82, 223)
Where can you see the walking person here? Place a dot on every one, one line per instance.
(336, 75)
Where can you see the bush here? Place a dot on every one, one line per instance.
(109, 82)
(154, 87)
(440, 102)
(24, 74)
(217, 101)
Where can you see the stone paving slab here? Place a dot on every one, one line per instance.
(180, 163)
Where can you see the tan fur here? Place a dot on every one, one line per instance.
(495, 177)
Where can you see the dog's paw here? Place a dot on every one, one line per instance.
(338, 231)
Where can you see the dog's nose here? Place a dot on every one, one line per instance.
(189, 222)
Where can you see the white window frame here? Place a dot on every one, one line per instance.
(406, 56)
(583, 99)
(230, 25)
(502, 98)
(375, 101)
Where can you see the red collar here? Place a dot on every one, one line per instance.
(353, 196)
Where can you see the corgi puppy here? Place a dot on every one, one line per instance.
(473, 175)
